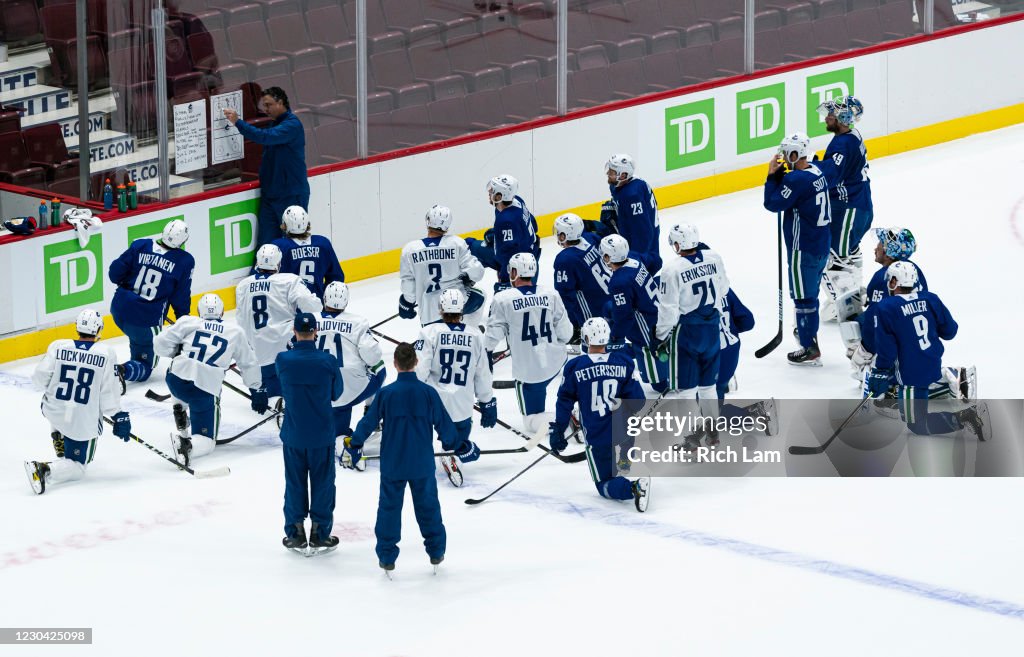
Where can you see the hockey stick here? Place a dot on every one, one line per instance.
(200, 474)
(503, 385)
(801, 450)
(155, 396)
(572, 458)
(259, 424)
(385, 337)
(777, 340)
(543, 456)
(383, 321)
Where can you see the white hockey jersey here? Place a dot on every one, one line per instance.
(537, 328)
(203, 349)
(79, 387)
(690, 284)
(452, 359)
(433, 264)
(347, 337)
(266, 309)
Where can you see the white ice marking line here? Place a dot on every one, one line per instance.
(773, 555)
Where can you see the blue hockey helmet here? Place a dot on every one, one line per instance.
(846, 109)
(898, 243)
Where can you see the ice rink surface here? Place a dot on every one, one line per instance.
(159, 564)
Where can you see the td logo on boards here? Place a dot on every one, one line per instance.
(689, 134)
(760, 118)
(71, 274)
(822, 87)
(233, 236)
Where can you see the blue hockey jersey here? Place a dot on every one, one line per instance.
(637, 211)
(736, 319)
(581, 279)
(149, 277)
(634, 313)
(515, 231)
(802, 197)
(878, 289)
(845, 166)
(908, 333)
(312, 259)
(598, 383)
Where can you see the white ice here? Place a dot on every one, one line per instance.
(160, 564)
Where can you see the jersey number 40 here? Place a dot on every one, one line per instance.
(603, 396)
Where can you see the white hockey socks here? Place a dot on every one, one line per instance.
(201, 445)
(62, 470)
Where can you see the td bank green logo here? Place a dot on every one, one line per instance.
(71, 274)
(759, 118)
(689, 134)
(822, 87)
(153, 229)
(233, 236)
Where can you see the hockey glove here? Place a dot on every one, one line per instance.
(352, 456)
(489, 413)
(489, 238)
(660, 346)
(878, 382)
(122, 426)
(466, 280)
(501, 286)
(259, 401)
(618, 346)
(467, 452)
(406, 310)
(556, 437)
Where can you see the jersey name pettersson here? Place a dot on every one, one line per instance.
(334, 325)
(707, 269)
(156, 260)
(456, 339)
(300, 252)
(601, 370)
(433, 254)
(86, 357)
(213, 325)
(530, 302)
(914, 307)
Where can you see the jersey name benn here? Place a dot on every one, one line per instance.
(914, 307)
(706, 269)
(259, 286)
(300, 252)
(85, 357)
(456, 339)
(601, 370)
(156, 260)
(530, 302)
(433, 254)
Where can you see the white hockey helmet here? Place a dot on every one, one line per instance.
(295, 220)
(439, 217)
(210, 306)
(620, 163)
(615, 248)
(505, 185)
(683, 237)
(798, 142)
(596, 332)
(905, 274)
(336, 296)
(524, 264)
(571, 226)
(452, 301)
(268, 258)
(89, 322)
(175, 234)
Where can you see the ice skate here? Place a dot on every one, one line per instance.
(298, 542)
(181, 447)
(388, 569)
(451, 468)
(36, 473)
(711, 438)
(806, 356)
(119, 371)
(976, 418)
(279, 409)
(319, 545)
(436, 562)
(642, 493)
(766, 409)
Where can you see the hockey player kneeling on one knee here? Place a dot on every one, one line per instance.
(202, 349)
(412, 411)
(310, 381)
(80, 387)
(598, 381)
(150, 275)
(533, 320)
(909, 329)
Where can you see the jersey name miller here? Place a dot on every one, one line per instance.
(530, 302)
(433, 254)
(919, 306)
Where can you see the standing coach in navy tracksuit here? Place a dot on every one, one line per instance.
(283, 179)
(310, 381)
(411, 411)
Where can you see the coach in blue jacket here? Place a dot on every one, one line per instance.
(310, 381)
(411, 411)
(283, 179)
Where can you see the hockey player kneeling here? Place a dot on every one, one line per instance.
(202, 349)
(598, 382)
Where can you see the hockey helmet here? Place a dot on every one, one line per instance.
(452, 301)
(620, 163)
(336, 296)
(797, 142)
(570, 225)
(210, 306)
(615, 248)
(898, 243)
(295, 220)
(268, 258)
(595, 332)
(683, 237)
(846, 109)
(524, 264)
(21, 225)
(905, 274)
(175, 234)
(505, 185)
(439, 217)
(89, 322)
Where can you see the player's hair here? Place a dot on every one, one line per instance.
(278, 94)
(405, 357)
(451, 318)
